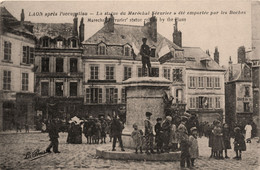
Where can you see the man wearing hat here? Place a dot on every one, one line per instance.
(184, 142)
(148, 133)
(145, 53)
(159, 134)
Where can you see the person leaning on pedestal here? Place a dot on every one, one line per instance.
(116, 132)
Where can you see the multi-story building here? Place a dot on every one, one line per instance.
(59, 72)
(205, 90)
(239, 94)
(109, 59)
(16, 71)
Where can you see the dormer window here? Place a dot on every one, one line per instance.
(102, 49)
(59, 43)
(73, 43)
(45, 42)
(127, 50)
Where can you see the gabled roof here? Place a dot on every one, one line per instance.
(194, 56)
(127, 34)
(53, 30)
(237, 72)
(12, 25)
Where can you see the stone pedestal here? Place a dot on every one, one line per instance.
(144, 94)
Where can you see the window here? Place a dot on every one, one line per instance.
(166, 73)
(201, 102)
(200, 82)
(45, 42)
(59, 65)
(7, 50)
(217, 82)
(192, 83)
(45, 88)
(73, 43)
(94, 95)
(127, 51)
(246, 107)
(217, 102)
(102, 49)
(73, 65)
(109, 72)
(7, 80)
(59, 88)
(123, 97)
(140, 72)
(59, 43)
(25, 81)
(192, 102)
(210, 101)
(73, 88)
(94, 72)
(111, 95)
(179, 96)
(127, 73)
(210, 82)
(45, 64)
(155, 72)
(177, 75)
(28, 55)
(247, 93)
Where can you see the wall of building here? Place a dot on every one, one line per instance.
(241, 98)
(195, 91)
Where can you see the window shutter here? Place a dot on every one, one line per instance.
(107, 95)
(115, 95)
(99, 95)
(87, 95)
(197, 102)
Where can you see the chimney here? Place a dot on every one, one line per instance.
(177, 35)
(75, 26)
(230, 69)
(216, 55)
(22, 17)
(81, 30)
(110, 23)
(241, 55)
(207, 52)
(152, 30)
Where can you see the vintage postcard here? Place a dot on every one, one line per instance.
(129, 84)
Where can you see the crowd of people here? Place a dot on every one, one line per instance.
(169, 134)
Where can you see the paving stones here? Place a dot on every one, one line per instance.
(13, 148)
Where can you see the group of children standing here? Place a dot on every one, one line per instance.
(167, 138)
(219, 141)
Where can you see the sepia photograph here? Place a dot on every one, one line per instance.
(130, 84)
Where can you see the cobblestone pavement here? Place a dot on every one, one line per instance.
(82, 156)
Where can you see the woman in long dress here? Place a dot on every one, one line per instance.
(248, 129)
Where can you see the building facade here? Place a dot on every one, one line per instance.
(59, 72)
(239, 94)
(16, 72)
(110, 58)
(205, 90)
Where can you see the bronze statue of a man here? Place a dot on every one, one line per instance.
(145, 53)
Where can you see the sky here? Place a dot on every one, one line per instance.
(225, 31)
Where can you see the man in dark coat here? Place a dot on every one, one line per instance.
(145, 53)
(54, 135)
(159, 135)
(116, 132)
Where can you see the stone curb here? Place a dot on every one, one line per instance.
(106, 153)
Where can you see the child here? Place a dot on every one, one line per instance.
(137, 136)
(194, 148)
(239, 143)
(159, 135)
